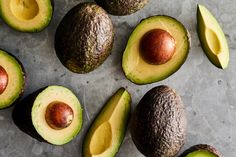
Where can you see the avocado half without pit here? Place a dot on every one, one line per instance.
(26, 15)
(201, 150)
(122, 7)
(12, 79)
(107, 132)
(212, 38)
(156, 49)
(52, 114)
(84, 38)
(158, 125)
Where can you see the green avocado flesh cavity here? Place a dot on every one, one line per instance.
(201, 153)
(212, 38)
(108, 129)
(26, 15)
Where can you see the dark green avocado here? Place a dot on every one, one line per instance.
(201, 150)
(84, 38)
(158, 125)
(122, 7)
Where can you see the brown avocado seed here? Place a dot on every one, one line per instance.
(59, 115)
(3, 79)
(157, 46)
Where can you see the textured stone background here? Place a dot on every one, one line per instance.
(209, 93)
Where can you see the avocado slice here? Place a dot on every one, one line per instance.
(107, 132)
(212, 38)
(158, 125)
(84, 38)
(122, 7)
(137, 69)
(52, 114)
(201, 150)
(26, 15)
(12, 79)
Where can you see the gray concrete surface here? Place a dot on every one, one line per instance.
(209, 93)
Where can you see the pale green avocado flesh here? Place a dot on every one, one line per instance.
(46, 97)
(108, 129)
(212, 38)
(201, 153)
(16, 79)
(137, 69)
(26, 15)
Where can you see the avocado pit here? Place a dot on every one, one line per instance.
(59, 115)
(3, 79)
(157, 46)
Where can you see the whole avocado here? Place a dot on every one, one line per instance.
(158, 126)
(122, 7)
(84, 38)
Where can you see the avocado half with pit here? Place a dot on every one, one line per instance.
(201, 150)
(52, 114)
(122, 7)
(26, 15)
(12, 79)
(156, 49)
(212, 38)
(84, 38)
(158, 125)
(107, 132)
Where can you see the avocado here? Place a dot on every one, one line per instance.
(212, 38)
(158, 125)
(26, 15)
(84, 38)
(122, 7)
(156, 49)
(12, 79)
(52, 114)
(107, 132)
(201, 150)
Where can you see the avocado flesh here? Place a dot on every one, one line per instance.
(47, 96)
(16, 79)
(107, 132)
(26, 15)
(201, 153)
(122, 7)
(137, 69)
(212, 38)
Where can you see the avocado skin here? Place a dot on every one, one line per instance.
(122, 7)
(201, 147)
(158, 126)
(21, 115)
(24, 77)
(84, 38)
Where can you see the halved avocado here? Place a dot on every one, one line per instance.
(137, 69)
(12, 79)
(201, 150)
(26, 15)
(212, 38)
(52, 114)
(107, 132)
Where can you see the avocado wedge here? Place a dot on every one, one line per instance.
(212, 38)
(122, 7)
(107, 132)
(26, 15)
(161, 38)
(12, 79)
(52, 114)
(201, 150)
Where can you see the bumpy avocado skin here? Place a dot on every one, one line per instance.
(84, 38)
(201, 147)
(122, 7)
(158, 126)
(21, 115)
